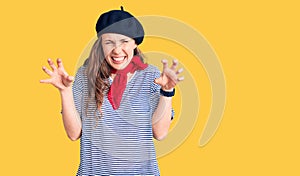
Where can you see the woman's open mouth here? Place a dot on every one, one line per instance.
(118, 60)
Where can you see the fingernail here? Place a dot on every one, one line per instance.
(181, 78)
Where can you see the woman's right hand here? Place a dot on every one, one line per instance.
(59, 78)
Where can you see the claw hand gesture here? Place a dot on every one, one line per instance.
(59, 78)
(169, 76)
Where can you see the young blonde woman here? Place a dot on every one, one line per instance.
(116, 103)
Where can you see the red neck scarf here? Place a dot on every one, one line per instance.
(119, 83)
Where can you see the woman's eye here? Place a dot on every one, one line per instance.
(108, 43)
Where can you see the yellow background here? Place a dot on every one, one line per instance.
(258, 46)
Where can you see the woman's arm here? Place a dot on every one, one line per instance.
(161, 118)
(60, 79)
(71, 118)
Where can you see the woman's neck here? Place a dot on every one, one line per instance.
(129, 76)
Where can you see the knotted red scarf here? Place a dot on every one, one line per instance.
(119, 83)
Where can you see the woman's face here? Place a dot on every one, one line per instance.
(118, 49)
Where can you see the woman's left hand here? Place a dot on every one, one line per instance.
(169, 76)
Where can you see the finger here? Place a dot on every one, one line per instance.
(180, 79)
(179, 71)
(174, 65)
(173, 82)
(70, 78)
(47, 81)
(68, 81)
(158, 80)
(52, 64)
(46, 70)
(165, 63)
(61, 66)
(59, 63)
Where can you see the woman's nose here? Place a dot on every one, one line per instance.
(117, 49)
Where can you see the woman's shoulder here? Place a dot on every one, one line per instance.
(81, 74)
(81, 70)
(149, 73)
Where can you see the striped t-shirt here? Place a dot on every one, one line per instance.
(121, 141)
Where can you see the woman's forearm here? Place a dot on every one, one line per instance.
(161, 118)
(71, 118)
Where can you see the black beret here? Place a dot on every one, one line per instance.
(120, 22)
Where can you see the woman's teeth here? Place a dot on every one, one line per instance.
(118, 58)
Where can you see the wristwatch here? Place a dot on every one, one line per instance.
(167, 94)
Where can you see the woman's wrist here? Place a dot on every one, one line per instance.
(168, 90)
(67, 90)
(167, 93)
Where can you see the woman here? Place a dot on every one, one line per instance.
(117, 103)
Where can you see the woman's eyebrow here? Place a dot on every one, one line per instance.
(107, 40)
(124, 39)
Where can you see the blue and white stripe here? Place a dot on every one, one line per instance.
(120, 143)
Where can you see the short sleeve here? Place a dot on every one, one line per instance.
(77, 89)
(155, 94)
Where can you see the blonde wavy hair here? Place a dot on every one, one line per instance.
(98, 72)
